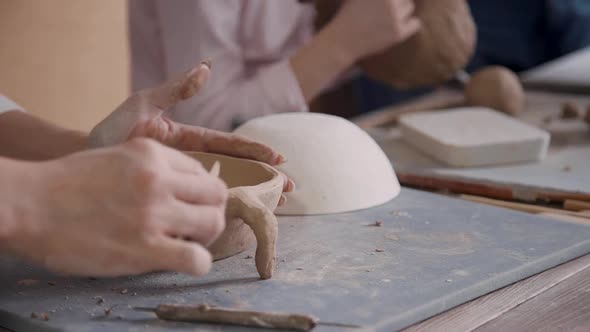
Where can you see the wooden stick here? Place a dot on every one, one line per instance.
(204, 313)
(215, 169)
(565, 217)
(574, 205)
(437, 100)
(530, 208)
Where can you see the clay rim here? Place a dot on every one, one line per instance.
(268, 184)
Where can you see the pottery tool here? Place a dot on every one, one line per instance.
(523, 207)
(215, 169)
(474, 136)
(574, 205)
(204, 313)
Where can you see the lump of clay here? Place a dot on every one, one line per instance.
(432, 56)
(569, 110)
(336, 166)
(495, 87)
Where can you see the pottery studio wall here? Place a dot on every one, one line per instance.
(65, 60)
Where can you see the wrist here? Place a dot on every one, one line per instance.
(322, 61)
(343, 41)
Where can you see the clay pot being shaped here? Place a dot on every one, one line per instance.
(254, 192)
(443, 46)
(336, 166)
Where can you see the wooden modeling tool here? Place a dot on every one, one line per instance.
(215, 169)
(204, 313)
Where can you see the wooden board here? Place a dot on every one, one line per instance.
(561, 176)
(476, 313)
(565, 307)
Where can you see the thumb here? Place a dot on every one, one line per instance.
(183, 87)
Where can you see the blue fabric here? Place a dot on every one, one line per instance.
(518, 34)
(526, 33)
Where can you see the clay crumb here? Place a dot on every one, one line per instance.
(28, 282)
(299, 269)
(249, 257)
(566, 168)
(207, 62)
(99, 300)
(108, 311)
(379, 250)
(378, 223)
(41, 315)
(124, 291)
(569, 110)
(367, 270)
(547, 120)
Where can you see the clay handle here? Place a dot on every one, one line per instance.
(262, 221)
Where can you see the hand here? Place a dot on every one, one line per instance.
(142, 115)
(370, 27)
(122, 210)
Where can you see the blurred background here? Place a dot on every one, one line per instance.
(64, 55)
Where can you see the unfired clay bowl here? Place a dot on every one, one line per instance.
(254, 192)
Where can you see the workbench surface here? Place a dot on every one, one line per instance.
(437, 253)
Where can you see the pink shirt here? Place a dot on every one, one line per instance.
(249, 42)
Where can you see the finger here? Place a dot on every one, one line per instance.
(202, 189)
(406, 9)
(410, 28)
(180, 88)
(199, 223)
(186, 257)
(239, 146)
(288, 184)
(183, 163)
(282, 200)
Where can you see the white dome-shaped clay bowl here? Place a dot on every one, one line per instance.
(336, 166)
(254, 192)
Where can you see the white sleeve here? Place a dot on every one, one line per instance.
(9, 105)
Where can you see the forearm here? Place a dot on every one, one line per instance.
(322, 61)
(23, 136)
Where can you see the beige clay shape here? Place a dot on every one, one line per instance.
(254, 192)
(495, 87)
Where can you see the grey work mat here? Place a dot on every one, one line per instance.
(438, 252)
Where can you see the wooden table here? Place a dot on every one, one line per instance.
(554, 300)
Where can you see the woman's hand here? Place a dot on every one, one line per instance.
(369, 27)
(359, 29)
(142, 115)
(116, 211)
